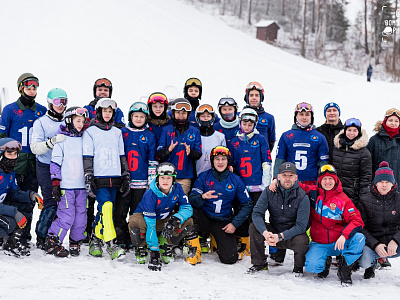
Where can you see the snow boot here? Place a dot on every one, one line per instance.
(344, 272)
(213, 244)
(383, 263)
(257, 268)
(194, 254)
(95, 246)
(165, 250)
(40, 242)
(74, 248)
(298, 272)
(115, 251)
(155, 261)
(53, 246)
(243, 246)
(12, 245)
(325, 272)
(369, 273)
(141, 255)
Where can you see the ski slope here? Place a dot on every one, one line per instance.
(142, 46)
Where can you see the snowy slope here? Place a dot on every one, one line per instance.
(143, 46)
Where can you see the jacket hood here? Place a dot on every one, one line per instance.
(378, 126)
(154, 188)
(360, 143)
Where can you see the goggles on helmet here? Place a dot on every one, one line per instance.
(59, 101)
(181, 106)
(157, 97)
(103, 82)
(249, 118)
(166, 170)
(254, 86)
(326, 169)
(193, 81)
(303, 106)
(28, 82)
(78, 112)
(106, 102)
(220, 150)
(352, 122)
(205, 108)
(392, 112)
(11, 146)
(227, 102)
(139, 107)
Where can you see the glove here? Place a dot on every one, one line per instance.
(91, 188)
(58, 138)
(36, 198)
(170, 226)
(56, 190)
(20, 219)
(125, 185)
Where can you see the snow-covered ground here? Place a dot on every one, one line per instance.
(143, 46)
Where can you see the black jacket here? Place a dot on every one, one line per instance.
(354, 165)
(381, 216)
(330, 131)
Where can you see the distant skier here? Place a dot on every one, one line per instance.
(369, 72)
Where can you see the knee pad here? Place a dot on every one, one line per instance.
(136, 237)
(45, 220)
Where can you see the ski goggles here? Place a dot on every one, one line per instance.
(227, 102)
(326, 169)
(249, 118)
(205, 108)
(193, 81)
(80, 111)
(352, 122)
(106, 102)
(103, 82)
(166, 170)
(303, 106)
(181, 106)
(11, 146)
(30, 82)
(157, 97)
(254, 86)
(220, 150)
(392, 112)
(59, 101)
(139, 107)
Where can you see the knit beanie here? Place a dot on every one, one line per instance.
(384, 173)
(331, 104)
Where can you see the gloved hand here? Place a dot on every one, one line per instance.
(125, 185)
(20, 219)
(170, 226)
(56, 189)
(36, 198)
(91, 188)
(58, 138)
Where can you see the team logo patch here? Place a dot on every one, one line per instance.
(191, 137)
(350, 210)
(314, 138)
(263, 121)
(143, 139)
(19, 112)
(235, 145)
(125, 136)
(255, 144)
(210, 184)
(332, 206)
(38, 113)
(229, 187)
(393, 212)
(175, 197)
(1, 179)
(290, 136)
(158, 202)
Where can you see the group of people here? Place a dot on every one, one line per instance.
(178, 175)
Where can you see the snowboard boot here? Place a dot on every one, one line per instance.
(298, 272)
(155, 261)
(25, 249)
(86, 240)
(115, 251)
(95, 246)
(53, 246)
(369, 273)
(204, 245)
(257, 268)
(12, 245)
(141, 255)
(383, 263)
(325, 272)
(194, 254)
(243, 246)
(40, 242)
(165, 250)
(74, 248)
(213, 244)
(344, 272)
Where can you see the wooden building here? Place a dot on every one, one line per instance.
(267, 30)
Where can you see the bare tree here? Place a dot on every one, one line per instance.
(303, 40)
(394, 43)
(295, 11)
(249, 20)
(321, 32)
(283, 7)
(365, 26)
(313, 17)
(223, 7)
(240, 9)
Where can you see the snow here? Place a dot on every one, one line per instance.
(265, 23)
(144, 46)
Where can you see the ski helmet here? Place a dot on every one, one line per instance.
(192, 82)
(9, 144)
(27, 80)
(105, 103)
(227, 101)
(102, 82)
(220, 150)
(137, 107)
(57, 97)
(166, 169)
(70, 113)
(160, 98)
(205, 108)
(249, 114)
(181, 104)
(254, 86)
(304, 106)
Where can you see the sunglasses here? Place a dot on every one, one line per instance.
(181, 106)
(60, 101)
(193, 81)
(352, 122)
(220, 150)
(11, 146)
(205, 108)
(326, 169)
(139, 107)
(303, 106)
(227, 102)
(30, 82)
(254, 86)
(103, 82)
(154, 98)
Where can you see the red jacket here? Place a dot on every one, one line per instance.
(332, 213)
